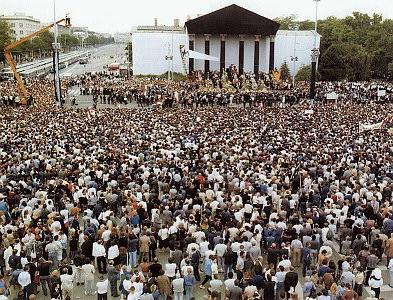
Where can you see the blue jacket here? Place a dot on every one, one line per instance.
(207, 268)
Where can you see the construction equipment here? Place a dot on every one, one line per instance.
(23, 94)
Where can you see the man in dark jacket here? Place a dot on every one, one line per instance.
(113, 277)
(268, 288)
(291, 280)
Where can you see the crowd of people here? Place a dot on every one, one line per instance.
(233, 194)
(105, 88)
(216, 202)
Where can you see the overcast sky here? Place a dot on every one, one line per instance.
(120, 15)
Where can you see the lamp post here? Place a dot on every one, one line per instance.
(169, 58)
(314, 55)
(56, 48)
(294, 58)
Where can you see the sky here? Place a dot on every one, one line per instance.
(121, 15)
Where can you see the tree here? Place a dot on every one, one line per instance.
(5, 37)
(287, 22)
(304, 73)
(67, 40)
(129, 52)
(345, 61)
(284, 71)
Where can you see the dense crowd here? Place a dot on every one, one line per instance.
(105, 88)
(216, 202)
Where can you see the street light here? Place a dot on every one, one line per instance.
(294, 58)
(314, 55)
(56, 48)
(169, 58)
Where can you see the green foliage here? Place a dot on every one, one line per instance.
(285, 73)
(129, 51)
(304, 74)
(287, 22)
(5, 37)
(358, 46)
(345, 61)
(67, 40)
(93, 39)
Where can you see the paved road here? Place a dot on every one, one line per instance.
(100, 57)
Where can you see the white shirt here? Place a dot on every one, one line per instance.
(170, 270)
(102, 286)
(98, 250)
(106, 235)
(163, 233)
(113, 252)
(220, 249)
(24, 279)
(88, 270)
(66, 281)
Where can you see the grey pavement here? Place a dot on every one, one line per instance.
(100, 57)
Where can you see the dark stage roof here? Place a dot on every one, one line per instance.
(232, 20)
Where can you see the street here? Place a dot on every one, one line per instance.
(99, 58)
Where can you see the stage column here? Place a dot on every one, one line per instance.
(207, 52)
(256, 56)
(191, 46)
(271, 56)
(241, 54)
(222, 53)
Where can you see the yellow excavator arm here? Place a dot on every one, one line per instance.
(23, 94)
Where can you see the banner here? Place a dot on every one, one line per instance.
(381, 93)
(202, 56)
(331, 96)
(370, 127)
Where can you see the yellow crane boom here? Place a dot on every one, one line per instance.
(23, 94)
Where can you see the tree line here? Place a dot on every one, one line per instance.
(43, 42)
(357, 47)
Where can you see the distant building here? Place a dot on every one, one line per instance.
(80, 31)
(175, 28)
(61, 29)
(22, 25)
(153, 45)
(233, 35)
(104, 35)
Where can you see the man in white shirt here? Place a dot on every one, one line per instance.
(88, 271)
(24, 279)
(230, 282)
(67, 284)
(99, 252)
(102, 288)
(220, 249)
(203, 246)
(178, 287)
